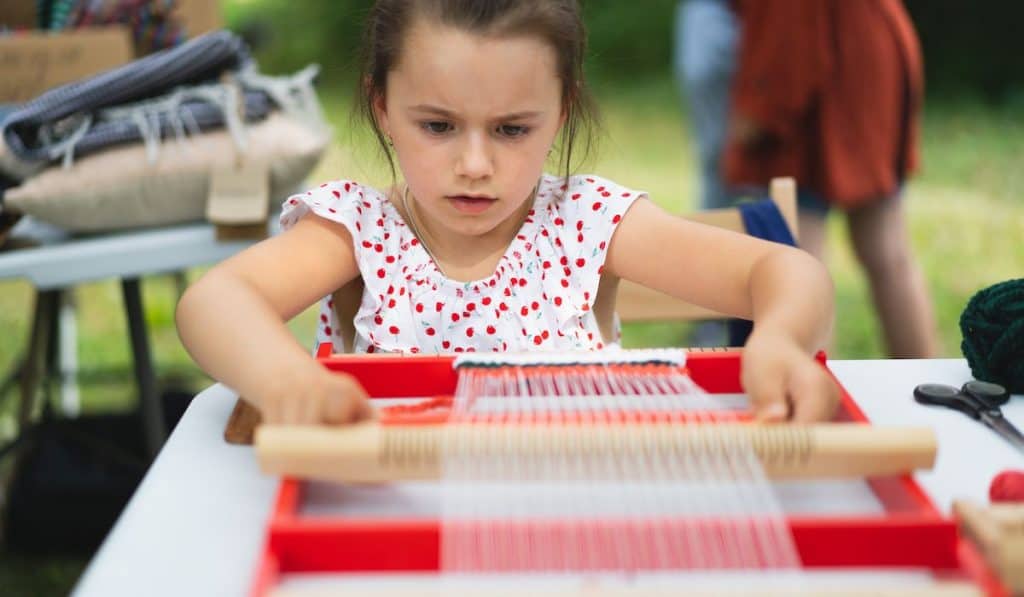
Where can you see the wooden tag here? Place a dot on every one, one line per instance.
(230, 232)
(242, 423)
(238, 201)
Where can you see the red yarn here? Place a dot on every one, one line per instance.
(1007, 486)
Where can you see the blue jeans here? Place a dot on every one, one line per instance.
(706, 38)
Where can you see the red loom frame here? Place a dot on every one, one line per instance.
(913, 533)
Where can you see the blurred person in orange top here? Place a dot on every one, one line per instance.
(829, 91)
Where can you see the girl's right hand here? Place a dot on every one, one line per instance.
(316, 397)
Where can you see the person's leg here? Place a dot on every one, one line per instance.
(878, 232)
(706, 36)
(812, 233)
(812, 215)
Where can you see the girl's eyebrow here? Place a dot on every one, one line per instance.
(449, 114)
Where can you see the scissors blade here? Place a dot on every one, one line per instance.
(1004, 428)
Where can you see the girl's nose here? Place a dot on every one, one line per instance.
(475, 160)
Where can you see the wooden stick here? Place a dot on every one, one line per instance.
(938, 589)
(370, 452)
(998, 531)
(783, 193)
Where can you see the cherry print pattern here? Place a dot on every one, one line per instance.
(538, 298)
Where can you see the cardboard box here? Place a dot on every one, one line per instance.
(33, 62)
(18, 14)
(199, 16)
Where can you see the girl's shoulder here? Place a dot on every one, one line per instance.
(344, 201)
(379, 235)
(588, 196)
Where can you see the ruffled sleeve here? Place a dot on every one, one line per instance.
(382, 245)
(586, 219)
(346, 202)
(582, 222)
(340, 201)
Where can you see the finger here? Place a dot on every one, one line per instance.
(270, 413)
(361, 408)
(815, 395)
(346, 403)
(309, 410)
(338, 410)
(768, 402)
(363, 411)
(291, 409)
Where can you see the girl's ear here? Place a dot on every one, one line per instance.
(380, 113)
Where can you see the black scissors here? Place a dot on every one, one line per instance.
(979, 400)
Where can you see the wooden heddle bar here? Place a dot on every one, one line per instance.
(371, 452)
(938, 589)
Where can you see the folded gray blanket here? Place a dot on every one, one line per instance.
(38, 131)
(190, 117)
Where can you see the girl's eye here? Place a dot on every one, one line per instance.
(512, 130)
(437, 127)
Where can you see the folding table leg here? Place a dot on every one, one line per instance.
(34, 367)
(67, 355)
(149, 400)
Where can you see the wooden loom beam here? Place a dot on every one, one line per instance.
(371, 452)
(938, 589)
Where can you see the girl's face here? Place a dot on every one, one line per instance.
(472, 119)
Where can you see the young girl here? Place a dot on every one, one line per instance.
(478, 249)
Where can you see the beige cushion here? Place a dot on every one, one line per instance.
(120, 188)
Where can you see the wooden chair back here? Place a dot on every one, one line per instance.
(639, 303)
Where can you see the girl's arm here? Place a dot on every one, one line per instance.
(786, 292)
(232, 322)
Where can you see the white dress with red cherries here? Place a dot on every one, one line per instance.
(539, 297)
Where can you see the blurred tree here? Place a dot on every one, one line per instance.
(625, 40)
(969, 48)
(287, 35)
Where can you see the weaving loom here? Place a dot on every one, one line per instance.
(638, 476)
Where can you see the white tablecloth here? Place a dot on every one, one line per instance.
(196, 524)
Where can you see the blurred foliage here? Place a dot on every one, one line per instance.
(288, 35)
(970, 49)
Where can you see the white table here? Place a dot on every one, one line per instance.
(61, 261)
(196, 524)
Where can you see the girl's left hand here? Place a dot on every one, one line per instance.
(784, 382)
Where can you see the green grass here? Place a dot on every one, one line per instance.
(965, 217)
(37, 577)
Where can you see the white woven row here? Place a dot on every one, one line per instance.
(668, 356)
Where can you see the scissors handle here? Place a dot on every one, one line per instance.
(947, 396)
(992, 395)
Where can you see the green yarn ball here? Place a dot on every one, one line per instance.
(992, 325)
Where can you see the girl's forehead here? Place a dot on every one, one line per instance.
(440, 63)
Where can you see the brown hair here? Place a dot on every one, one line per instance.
(556, 21)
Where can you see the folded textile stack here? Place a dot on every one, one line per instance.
(138, 145)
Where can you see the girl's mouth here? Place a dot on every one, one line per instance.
(471, 205)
